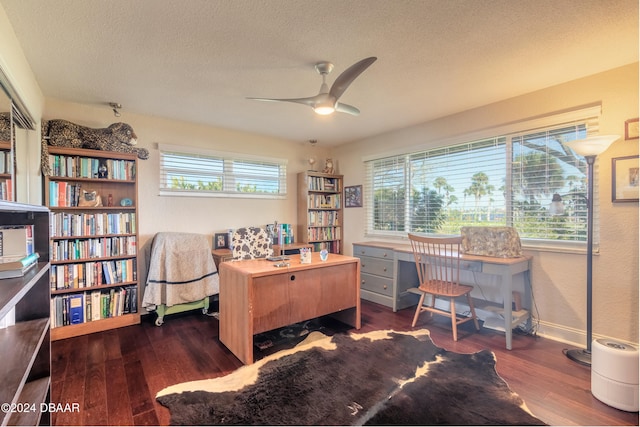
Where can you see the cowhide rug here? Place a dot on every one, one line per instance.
(381, 377)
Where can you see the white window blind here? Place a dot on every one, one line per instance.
(439, 190)
(193, 172)
(502, 180)
(541, 167)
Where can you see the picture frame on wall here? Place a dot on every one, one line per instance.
(220, 240)
(353, 196)
(631, 129)
(624, 179)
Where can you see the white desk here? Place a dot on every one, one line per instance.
(376, 259)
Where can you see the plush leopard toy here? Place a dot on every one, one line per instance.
(62, 133)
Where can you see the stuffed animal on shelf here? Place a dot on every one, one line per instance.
(328, 167)
(117, 137)
(5, 126)
(89, 198)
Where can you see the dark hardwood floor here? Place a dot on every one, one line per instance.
(114, 376)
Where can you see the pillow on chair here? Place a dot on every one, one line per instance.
(250, 243)
(503, 242)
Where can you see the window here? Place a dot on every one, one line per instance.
(502, 180)
(192, 172)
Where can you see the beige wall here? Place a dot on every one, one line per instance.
(558, 278)
(205, 215)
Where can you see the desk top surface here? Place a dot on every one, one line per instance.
(262, 267)
(406, 247)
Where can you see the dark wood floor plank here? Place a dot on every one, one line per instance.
(60, 358)
(148, 418)
(118, 402)
(95, 386)
(140, 397)
(138, 361)
(72, 392)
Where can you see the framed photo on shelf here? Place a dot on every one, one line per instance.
(353, 196)
(220, 240)
(624, 179)
(631, 129)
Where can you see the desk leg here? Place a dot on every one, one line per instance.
(507, 290)
(528, 296)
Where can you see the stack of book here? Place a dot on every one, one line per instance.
(17, 266)
(285, 234)
(17, 254)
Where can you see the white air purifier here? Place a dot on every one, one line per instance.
(614, 374)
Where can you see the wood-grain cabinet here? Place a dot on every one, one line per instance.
(94, 244)
(25, 349)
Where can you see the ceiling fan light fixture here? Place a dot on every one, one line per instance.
(324, 110)
(326, 101)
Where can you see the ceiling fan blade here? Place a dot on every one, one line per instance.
(305, 101)
(345, 108)
(349, 75)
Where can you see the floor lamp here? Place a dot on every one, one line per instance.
(589, 148)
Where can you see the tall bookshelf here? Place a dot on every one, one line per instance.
(93, 249)
(320, 203)
(25, 348)
(6, 166)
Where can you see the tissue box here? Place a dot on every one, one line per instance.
(502, 242)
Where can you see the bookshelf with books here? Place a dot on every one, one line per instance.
(92, 196)
(320, 203)
(6, 175)
(25, 348)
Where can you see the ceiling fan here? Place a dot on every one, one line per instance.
(326, 101)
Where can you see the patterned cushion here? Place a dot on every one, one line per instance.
(251, 242)
(503, 242)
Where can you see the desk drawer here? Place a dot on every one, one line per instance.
(360, 250)
(471, 265)
(377, 284)
(465, 265)
(381, 267)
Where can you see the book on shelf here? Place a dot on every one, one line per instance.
(92, 306)
(285, 234)
(6, 189)
(16, 262)
(16, 240)
(76, 309)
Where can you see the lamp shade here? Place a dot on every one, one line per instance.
(593, 145)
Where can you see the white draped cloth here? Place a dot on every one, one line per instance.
(181, 270)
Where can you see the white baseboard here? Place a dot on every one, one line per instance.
(570, 336)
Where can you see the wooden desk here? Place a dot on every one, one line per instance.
(256, 296)
(400, 272)
(220, 256)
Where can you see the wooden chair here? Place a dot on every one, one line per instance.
(438, 264)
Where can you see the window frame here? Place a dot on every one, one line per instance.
(229, 175)
(588, 116)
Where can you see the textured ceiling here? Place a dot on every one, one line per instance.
(198, 60)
